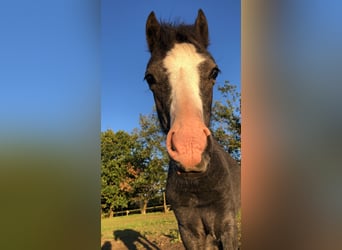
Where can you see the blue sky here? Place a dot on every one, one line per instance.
(124, 94)
(49, 67)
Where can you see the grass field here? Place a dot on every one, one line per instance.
(151, 231)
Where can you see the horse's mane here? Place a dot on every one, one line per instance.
(172, 32)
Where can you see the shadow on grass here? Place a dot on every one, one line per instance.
(174, 236)
(106, 246)
(131, 237)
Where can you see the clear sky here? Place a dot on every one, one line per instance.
(124, 93)
(49, 64)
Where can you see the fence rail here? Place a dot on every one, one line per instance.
(136, 211)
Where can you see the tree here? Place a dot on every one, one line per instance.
(120, 167)
(226, 122)
(151, 180)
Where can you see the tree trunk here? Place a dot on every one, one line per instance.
(143, 206)
(111, 211)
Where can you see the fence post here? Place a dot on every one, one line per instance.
(165, 206)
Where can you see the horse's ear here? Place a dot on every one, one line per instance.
(201, 26)
(152, 31)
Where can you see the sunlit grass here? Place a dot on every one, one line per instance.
(148, 224)
(151, 224)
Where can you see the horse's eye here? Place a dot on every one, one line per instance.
(214, 73)
(150, 79)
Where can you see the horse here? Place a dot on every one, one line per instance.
(203, 182)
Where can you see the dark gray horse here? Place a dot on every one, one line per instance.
(203, 185)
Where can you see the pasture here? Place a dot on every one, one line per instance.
(152, 231)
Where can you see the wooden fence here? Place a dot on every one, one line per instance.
(137, 211)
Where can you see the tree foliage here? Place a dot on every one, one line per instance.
(121, 165)
(226, 121)
(133, 165)
(152, 179)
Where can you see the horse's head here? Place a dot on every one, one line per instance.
(181, 74)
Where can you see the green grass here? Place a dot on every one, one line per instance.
(151, 227)
(151, 224)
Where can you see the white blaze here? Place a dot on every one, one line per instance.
(181, 63)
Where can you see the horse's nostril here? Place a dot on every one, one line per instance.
(173, 148)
